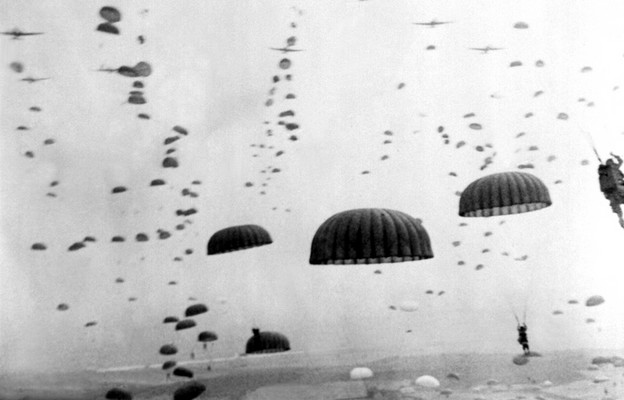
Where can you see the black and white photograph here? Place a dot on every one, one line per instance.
(311, 199)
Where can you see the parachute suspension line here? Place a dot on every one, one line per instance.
(593, 146)
(512, 310)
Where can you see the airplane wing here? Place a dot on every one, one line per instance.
(284, 49)
(31, 33)
(422, 23)
(477, 48)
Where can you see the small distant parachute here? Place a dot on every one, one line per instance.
(586, 69)
(266, 342)
(17, 66)
(562, 116)
(38, 246)
(119, 280)
(361, 373)
(143, 69)
(539, 63)
(143, 116)
(520, 359)
(138, 85)
(170, 162)
(168, 365)
(132, 299)
(429, 292)
(180, 130)
(168, 350)
(107, 27)
(90, 323)
(370, 236)
(594, 301)
(195, 309)
(183, 372)
(515, 64)
(285, 63)
(557, 312)
(427, 381)
(136, 99)
(189, 391)
(475, 126)
(521, 25)
(76, 246)
(409, 306)
(110, 14)
(453, 376)
(236, 238)
(503, 194)
(573, 301)
(62, 307)
(207, 336)
(118, 394)
(119, 189)
(118, 239)
(185, 324)
(590, 320)
(157, 182)
(141, 237)
(169, 320)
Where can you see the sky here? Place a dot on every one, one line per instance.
(365, 76)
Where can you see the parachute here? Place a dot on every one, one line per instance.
(62, 307)
(38, 246)
(184, 372)
(237, 238)
(141, 237)
(502, 194)
(185, 324)
(169, 320)
(195, 309)
(521, 25)
(137, 84)
(90, 323)
(284, 63)
(118, 239)
(180, 130)
(143, 69)
(157, 182)
(168, 350)
(17, 67)
(408, 306)
(520, 359)
(594, 301)
(189, 391)
(168, 365)
(207, 336)
(119, 280)
(110, 14)
(136, 99)
(360, 373)
(370, 236)
(76, 246)
(118, 394)
(266, 342)
(427, 381)
(107, 27)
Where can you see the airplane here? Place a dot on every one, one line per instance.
(285, 49)
(433, 23)
(30, 79)
(16, 33)
(486, 49)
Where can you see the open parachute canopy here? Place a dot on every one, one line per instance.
(195, 309)
(266, 342)
(168, 350)
(503, 194)
(238, 238)
(185, 324)
(110, 14)
(107, 27)
(183, 372)
(370, 236)
(168, 365)
(207, 336)
(189, 391)
(170, 320)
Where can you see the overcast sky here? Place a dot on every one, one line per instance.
(212, 74)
